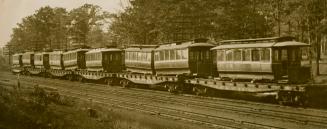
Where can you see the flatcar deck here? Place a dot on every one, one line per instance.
(246, 86)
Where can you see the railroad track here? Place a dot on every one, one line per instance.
(131, 104)
(318, 122)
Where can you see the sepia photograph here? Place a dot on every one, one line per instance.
(163, 64)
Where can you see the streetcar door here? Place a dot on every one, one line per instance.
(105, 61)
(46, 61)
(200, 63)
(20, 59)
(284, 61)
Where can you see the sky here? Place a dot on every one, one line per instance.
(13, 11)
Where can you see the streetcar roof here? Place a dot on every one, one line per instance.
(41, 53)
(99, 50)
(56, 52)
(139, 49)
(261, 45)
(184, 45)
(76, 50)
(26, 53)
(17, 54)
(261, 40)
(290, 43)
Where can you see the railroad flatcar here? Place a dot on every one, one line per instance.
(56, 61)
(75, 59)
(261, 59)
(139, 59)
(28, 59)
(17, 60)
(41, 60)
(191, 57)
(104, 59)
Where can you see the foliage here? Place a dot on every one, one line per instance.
(157, 21)
(56, 28)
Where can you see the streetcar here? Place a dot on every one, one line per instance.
(191, 58)
(273, 59)
(104, 59)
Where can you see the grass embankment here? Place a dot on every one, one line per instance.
(4, 66)
(38, 109)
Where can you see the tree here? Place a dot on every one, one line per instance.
(85, 19)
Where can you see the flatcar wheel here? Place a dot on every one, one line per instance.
(80, 79)
(125, 83)
(109, 81)
(45, 75)
(70, 77)
(171, 88)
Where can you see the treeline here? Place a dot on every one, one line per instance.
(57, 28)
(157, 21)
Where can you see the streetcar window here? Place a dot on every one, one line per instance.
(246, 55)
(161, 55)
(179, 54)
(237, 55)
(207, 55)
(127, 55)
(275, 55)
(139, 56)
(118, 55)
(229, 55)
(304, 53)
(166, 54)
(184, 54)
(298, 54)
(220, 55)
(149, 56)
(172, 55)
(265, 54)
(156, 56)
(284, 55)
(255, 55)
(136, 56)
(115, 56)
(145, 56)
(110, 57)
(294, 54)
(130, 54)
(133, 56)
(196, 55)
